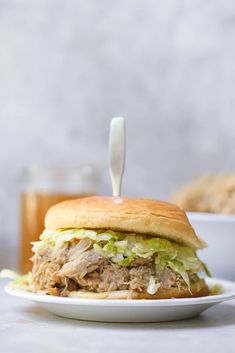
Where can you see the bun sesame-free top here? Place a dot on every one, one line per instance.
(139, 215)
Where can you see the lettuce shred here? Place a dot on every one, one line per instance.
(18, 281)
(153, 286)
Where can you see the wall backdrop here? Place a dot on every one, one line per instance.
(67, 67)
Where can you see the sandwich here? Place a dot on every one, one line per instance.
(117, 248)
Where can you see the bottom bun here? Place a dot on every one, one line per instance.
(198, 289)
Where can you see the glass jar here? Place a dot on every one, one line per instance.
(44, 186)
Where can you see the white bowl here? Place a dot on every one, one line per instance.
(219, 233)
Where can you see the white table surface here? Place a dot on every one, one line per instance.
(26, 328)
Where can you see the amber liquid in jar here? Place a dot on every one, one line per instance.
(43, 187)
(33, 210)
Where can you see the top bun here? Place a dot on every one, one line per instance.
(139, 215)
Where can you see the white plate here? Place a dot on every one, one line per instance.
(128, 310)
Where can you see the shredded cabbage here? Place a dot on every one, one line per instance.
(5, 273)
(153, 286)
(18, 281)
(178, 267)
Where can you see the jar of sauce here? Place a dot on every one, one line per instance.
(43, 187)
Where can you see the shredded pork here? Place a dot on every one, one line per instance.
(77, 266)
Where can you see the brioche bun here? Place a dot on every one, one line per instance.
(198, 289)
(139, 215)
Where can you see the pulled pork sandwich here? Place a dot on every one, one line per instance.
(117, 248)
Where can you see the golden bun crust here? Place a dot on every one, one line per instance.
(139, 215)
(198, 289)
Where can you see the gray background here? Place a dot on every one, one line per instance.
(67, 67)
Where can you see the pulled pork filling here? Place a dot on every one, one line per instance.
(88, 261)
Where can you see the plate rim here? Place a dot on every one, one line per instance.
(229, 294)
